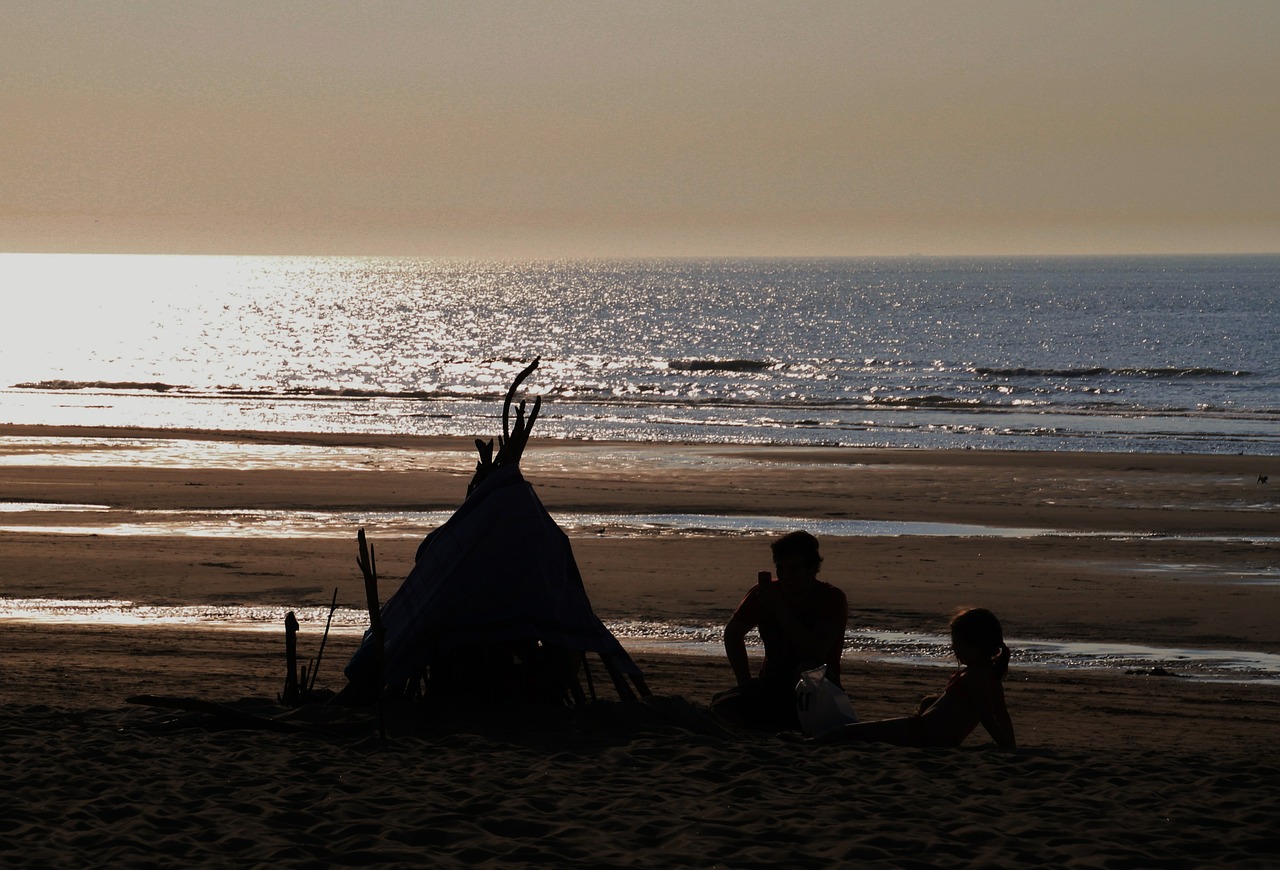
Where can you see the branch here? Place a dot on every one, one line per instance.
(512, 442)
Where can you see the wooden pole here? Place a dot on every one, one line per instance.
(290, 696)
(333, 605)
(369, 567)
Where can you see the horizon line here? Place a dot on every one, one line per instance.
(500, 258)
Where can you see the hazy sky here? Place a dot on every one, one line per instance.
(522, 128)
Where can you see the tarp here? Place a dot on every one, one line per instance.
(498, 570)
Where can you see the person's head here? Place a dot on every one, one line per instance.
(978, 639)
(795, 556)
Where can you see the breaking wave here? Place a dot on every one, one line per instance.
(155, 387)
(444, 402)
(720, 365)
(1103, 372)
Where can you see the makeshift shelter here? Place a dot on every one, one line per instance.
(495, 606)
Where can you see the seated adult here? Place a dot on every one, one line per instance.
(801, 621)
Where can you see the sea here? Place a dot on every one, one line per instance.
(1123, 354)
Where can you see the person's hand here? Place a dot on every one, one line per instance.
(926, 702)
(769, 596)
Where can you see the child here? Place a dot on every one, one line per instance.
(973, 695)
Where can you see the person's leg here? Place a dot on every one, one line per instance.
(906, 731)
(730, 706)
(758, 705)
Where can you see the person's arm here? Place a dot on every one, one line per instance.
(988, 699)
(831, 632)
(735, 645)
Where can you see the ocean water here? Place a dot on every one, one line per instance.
(1136, 354)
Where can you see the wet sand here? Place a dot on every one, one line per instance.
(1112, 769)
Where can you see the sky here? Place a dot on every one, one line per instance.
(564, 128)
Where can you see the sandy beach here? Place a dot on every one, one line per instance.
(1113, 769)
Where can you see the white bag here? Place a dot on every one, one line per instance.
(821, 704)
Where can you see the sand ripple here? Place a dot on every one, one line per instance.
(636, 787)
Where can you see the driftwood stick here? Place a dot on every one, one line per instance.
(512, 445)
(511, 393)
(511, 442)
(369, 567)
(290, 696)
(619, 680)
(231, 717)
(586, 671)
(533, 415)
(484, 465)
(641, 686)
(333, 605)
(523, 427)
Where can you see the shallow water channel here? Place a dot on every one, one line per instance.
(638, 636)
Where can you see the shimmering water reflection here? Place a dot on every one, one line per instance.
(414, 524)
(400, 524)
(1122, 354)
(867, 643)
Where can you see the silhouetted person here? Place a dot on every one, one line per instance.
(801, 622)
(973, 695)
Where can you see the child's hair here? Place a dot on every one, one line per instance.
(800, 544)
(979, 627)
